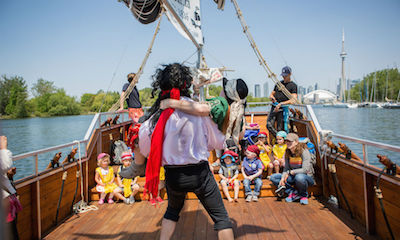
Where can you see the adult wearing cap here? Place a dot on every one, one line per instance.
(298, 173)
(279, 100)
(133, 101)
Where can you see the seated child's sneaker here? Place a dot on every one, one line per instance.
(159, 200)
(153, 202)
(110, 201)
(127, 201)
(280, 191)
(248, 198)
(132, 199)
(304, 200)
(292, 197)
(101, 201)
(255, 199)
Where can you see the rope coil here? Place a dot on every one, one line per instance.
(82, 206)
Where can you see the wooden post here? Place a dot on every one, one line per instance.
(370, 204)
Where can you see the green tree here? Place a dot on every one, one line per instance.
(387, 85)
(13, 96)
(62, 104)
(43, 87)
(213, 90)
(104, 101)
(145, 97)
(87, 101)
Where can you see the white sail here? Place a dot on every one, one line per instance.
(189, 13)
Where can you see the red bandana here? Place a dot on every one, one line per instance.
(154, 160)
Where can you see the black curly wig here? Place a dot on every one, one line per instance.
(173, 75)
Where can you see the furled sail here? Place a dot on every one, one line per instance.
(189, 13)
(145, 11)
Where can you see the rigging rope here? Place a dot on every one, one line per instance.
(113, 76)
(82, 206)
(261, 59)
(139, 72)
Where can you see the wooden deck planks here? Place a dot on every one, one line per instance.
(266, 219)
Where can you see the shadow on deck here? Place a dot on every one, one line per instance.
(266, 219)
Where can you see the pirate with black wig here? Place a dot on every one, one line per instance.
(180, 142)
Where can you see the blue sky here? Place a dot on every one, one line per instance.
(78, 44)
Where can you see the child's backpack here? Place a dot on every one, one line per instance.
(117, 148)
(311, 149)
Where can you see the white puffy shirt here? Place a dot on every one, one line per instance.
(5, 164)
(187, 138)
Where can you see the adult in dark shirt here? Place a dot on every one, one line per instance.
(278, 100)
(133, 101)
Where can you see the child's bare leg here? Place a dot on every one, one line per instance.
(269, 170)
(102, 195)
(111, 196)
(236, 189)
(135, 189)
(276, 166)
(118, 194)
(225, 190)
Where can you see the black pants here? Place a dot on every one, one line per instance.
(272, 117)
(195, 178)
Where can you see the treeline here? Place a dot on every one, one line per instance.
(48, 100)
(387, 85)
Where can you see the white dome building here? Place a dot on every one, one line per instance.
(319, 96)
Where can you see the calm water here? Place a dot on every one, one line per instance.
(24, 135)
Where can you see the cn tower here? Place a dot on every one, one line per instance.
(343, 79)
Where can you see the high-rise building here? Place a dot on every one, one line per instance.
(266, 90)
(257, 90)
(316, 86)
(310, 89)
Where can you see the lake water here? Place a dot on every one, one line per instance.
(25, 135)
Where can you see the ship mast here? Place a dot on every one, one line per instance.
(343, 80)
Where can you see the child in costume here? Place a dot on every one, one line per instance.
(265, 151)
(229, 173)
(252, 169)
(127, 186)
(279, 151)
(105, 178)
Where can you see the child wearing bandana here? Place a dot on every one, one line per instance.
(252, 169)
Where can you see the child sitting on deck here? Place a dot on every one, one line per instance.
(105, 178)
(279, 151)
(265, 151)
(229, 173)
(127, 186)
(252, 168)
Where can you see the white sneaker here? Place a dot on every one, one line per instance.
(255, 199)
(248, 198)
(126, 201)
(131, 199)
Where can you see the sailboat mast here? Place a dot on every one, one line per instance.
(386, 88)
(343, 80)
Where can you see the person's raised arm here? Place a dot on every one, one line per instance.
(193, 108)
(121, 101)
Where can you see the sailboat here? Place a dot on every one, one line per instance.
(372, 97)
(390, 104)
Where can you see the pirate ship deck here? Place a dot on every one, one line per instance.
(360, 214)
